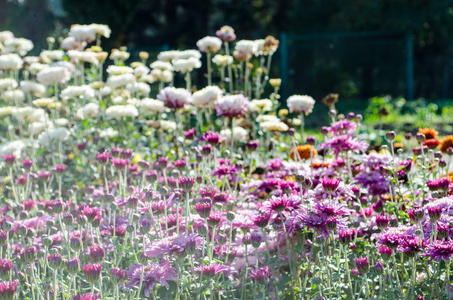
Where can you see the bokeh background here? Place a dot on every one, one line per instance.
(358, 48)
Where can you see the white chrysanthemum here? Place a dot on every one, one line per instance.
(6, 35)
(119, 55)
(74, 92)
(54, 75)
(101, 29)
(13, 147)
(139, 88)
(13, 96)
(167, 56)
(300, 104)
(33, 88)
(84, 56)
(261, 105)
(120, 80)
(119, 70)
(44, 102)
(7, 111)
(222, 60)
(71, 43)
(246, 46)
(32, 59)
(35, 68)
(108, 133)
(121, 111)
(88, 111)
(133, 101)
(59, 134)
(159, 75)
(61, 122)
(17, 45)
(152, 105)
(186, 65)
(118, 100)
(167, 126)
(161, 65)
(52, 54)
(206, 97)
(209, 44)
(266, 118)
(36, 128)
(29, 114)
(10, 61)
(186, 54)
(65, 64)
(105, 91)
(274, 126)
(147, 78)
(239, 134)
(141, 71)
(81, 33)
(7, 84)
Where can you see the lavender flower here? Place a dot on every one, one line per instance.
(153, 273)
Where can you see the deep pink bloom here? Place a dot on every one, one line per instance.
(119, 163)
(86, 297)
(211, 270)
(92, 272)
(330, 185)
(362, 264)
(103, 157)
(440, 250)
(182, 243)
(203, 208)
(27, 163)
(97, 253)
(5, 268)
(344, 143)
(8, 289)
(261, 275)
(117, 275)
(190, 134)
(153, 273)
(261, 220)
(9, 159)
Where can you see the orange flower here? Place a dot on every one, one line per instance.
(429, 133)
(304, 152)
(397, 146)
(446, 143)
(431, 143)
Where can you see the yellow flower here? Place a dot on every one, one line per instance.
(275, 82)
(137, 158)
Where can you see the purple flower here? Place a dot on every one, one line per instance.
(211, 270)
(362, 264)
(117, 275)
(156, 272)
(261, 220)
(344, 143)
(315, 221)
(97, 253)
(5, 268)
(92, 272)
(8, 289)
(232, 106)
(174, 97)
(440, 249)
(89, 296)
(277, 204)
(411, 245)
(261, 275)
(174, 244)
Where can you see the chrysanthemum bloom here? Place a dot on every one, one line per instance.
(330, 185)
(304, 152)
(55, 261)
(344, 143)
(411, 246)
(382, 221)
(215, 218)
(211, 270)
(203, 208)
(330, 100)
(119, 163)
(314, 220)
(277, 204)
(378, 268)
(54, 75)
(261, 275)
(440, 250)
(431, 143)
(8, 289)
(434, 212)
(429, 133)
(182, 243)
(9, 159)
(92, 272)
(256, 239)
(30, 254)
(209, 44)
(186, 183)
(174, 97)
(89, 296)
(232, 106)
(356, 273)
(117, 275)
(261, 220)
(446, 143)
(300, 104)
(5, 268)
(362, 264)
(153, 273)
(97, 253)
(226, 33)
(73, 265)
(346, 236)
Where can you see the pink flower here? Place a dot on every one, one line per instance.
(232, 106)
(153, 273)
(174, 97)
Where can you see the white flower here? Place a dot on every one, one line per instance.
(7, 111)
(10, 61)
(186, 65)
(167, 126)
(140, 88)
(17, 45)
(188, 54)
(43, 102)
(101, 29)
(239, 134)
(206, 97)
(133, 101)
(31, 59)
(260, 106)
(88, 111)
(266, 118)
(29, 114)
(159, 75)
(7, 84)
(71, 43)
(54, 75)
(52, 54)
(119, 70)
(209, 44)
(65, 64)
(36, 128)
(222, 60)
(13, 96)
(120, 80)
(300, 103)
(59, 134)
(84, 33)
(162, 65)
(33, 88)
(74, 92)
(6, 35)
(84, 56)
(105, 91)
(35, 68)
(141, 71)
(246, 46)
(121, 111)
(274, 126)
(13, 147)
(167, 56)
(108, 133)
(119, 55)
(62, 122)
(152, 105)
